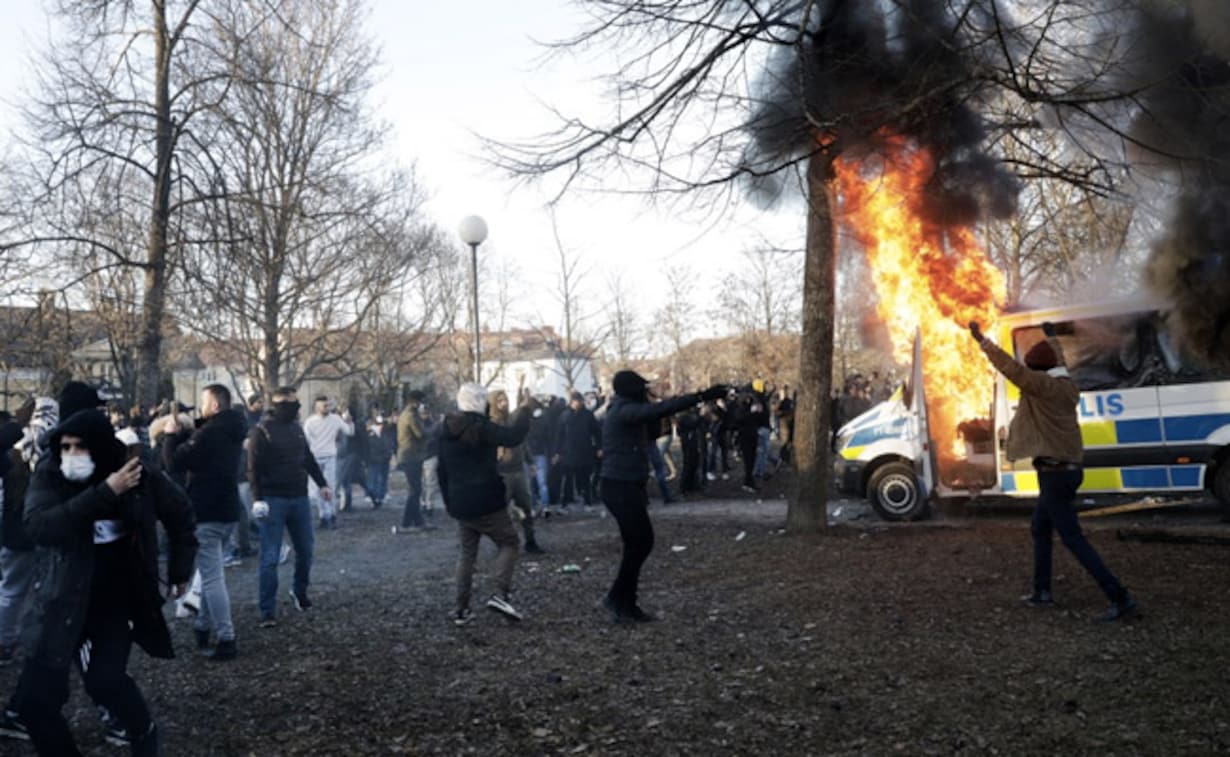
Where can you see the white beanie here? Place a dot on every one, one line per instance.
(472, 398)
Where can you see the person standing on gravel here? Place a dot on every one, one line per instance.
(1046, 430)
(411, 444)
(511, 462)
(474, 492)
(628, 428)
(210, 456)
(322, 431)
(279, 465)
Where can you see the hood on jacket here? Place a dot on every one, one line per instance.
(630, 385)
(96, 431)
(464, 427)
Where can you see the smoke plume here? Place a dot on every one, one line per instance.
(1180, 65)
(864, 70)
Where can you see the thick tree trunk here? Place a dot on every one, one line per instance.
(807, 507)
(153, 308)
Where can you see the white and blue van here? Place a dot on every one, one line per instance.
(1154, 419)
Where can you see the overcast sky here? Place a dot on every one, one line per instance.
(451, 69)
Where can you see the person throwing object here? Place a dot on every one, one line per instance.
(1045, 429)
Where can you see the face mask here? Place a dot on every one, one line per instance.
(286, 411)
(77, 467)
(379, 419)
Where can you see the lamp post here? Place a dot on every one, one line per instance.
(473, 231)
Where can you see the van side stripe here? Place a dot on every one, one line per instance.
(1139, 431)
(1146, 478)
(1114, 479)
(1193, 427)
(1099, 434)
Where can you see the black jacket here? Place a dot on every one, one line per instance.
(628, 429)
(538, 441)
(210, 456)
(279, 460)
(578, 438)
(60, 515)
(16, 475)
(379, 446)
(469, 478)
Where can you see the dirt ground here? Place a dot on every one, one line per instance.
(868, 640)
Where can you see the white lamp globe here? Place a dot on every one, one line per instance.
(473, 230)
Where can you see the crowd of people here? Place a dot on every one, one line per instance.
(96, 498)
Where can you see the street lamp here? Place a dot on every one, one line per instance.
(473, 231)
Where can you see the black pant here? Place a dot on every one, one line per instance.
(576, 479)
(555, 483)
(413, 514)
(42, 689)
(747, 450)
(689, 480)
(1054, 512)
(629, 503)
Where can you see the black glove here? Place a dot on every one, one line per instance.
(24, 413)
(1048, 328)
(717, 391)
(976, 331)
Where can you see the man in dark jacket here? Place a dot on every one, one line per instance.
(210, 457)
(474, 492)
(378, 448)
(627, 432)
(538, 447)
(17, 558)
(279, 463)
(97, 514)
(577, 441)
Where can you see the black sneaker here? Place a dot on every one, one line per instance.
(268, 621)
(532, 548)
(1121, 610)
(640, 616)
(226, 650)
(1039, 599)
(301, 603)
(462, 617)
(11, 726)
(115, 734)
(500, 604)
(202, 638)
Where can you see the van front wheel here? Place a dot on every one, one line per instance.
(895, 494)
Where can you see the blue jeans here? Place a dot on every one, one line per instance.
(659, 470)
(20, 570)
(540, 475)
(762, 451)
(294, 515)
(1054, 512)
(215, 612)
(378, 481)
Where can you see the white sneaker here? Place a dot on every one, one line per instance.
(284, 555)
(501, 605)
(710, 477)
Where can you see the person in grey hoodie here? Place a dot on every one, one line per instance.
(474, 492)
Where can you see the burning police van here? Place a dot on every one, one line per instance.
(1155, 419)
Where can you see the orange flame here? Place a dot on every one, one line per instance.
(927, 276)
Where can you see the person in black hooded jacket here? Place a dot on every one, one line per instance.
(474, 492)
(97, 515)
(210, 456)
(628, 428)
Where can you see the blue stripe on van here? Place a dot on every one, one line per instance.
(1138, 431)
(1007, 482)
(1189, 428)
(1145, 478)
(1185, 475)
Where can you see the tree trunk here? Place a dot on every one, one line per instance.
(153, 305)
(807, 511)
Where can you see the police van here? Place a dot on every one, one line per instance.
(1154, 418)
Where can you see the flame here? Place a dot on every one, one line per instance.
(927, 276)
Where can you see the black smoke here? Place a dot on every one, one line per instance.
(866, 68)
(1179, 67)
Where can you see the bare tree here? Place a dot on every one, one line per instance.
(313, 233)
(622, 322)
(581, 337)
(109, 131)
(761, 296)
(675, 321)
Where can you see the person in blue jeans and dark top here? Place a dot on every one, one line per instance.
(279, 464)
(1046, 430)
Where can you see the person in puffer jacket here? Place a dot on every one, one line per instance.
(474, 492)
(1046, 431)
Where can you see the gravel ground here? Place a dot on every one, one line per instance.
(868, 640)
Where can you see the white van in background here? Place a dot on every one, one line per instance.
(1154, 420)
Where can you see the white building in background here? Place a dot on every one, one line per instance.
(544, 373)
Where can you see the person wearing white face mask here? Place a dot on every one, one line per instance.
(97, 512)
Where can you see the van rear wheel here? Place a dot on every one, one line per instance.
(1221, 487)
(895, 494)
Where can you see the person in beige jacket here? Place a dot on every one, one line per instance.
(1046, 431)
